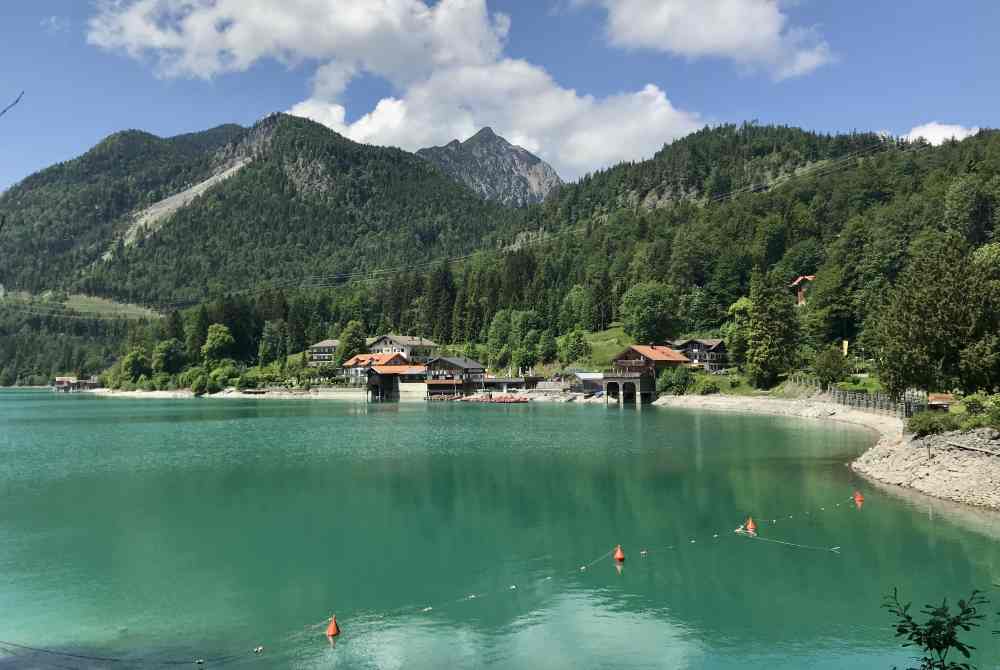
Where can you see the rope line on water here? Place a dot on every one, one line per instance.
(311, 629)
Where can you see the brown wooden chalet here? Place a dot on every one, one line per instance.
(706, 353)
(454, 375)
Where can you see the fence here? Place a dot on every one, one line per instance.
(878, 403)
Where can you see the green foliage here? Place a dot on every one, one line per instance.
(929, 318)
(709, 388)
(648, 312)
(575, 347)
(932, 423)
(937, 637)
(135, 365)
(199, 385)
(736, 330)
(772, 330)
(273, 342)
(168, 357)
(548, 350)
(352, 342)
(218, 345)
(830, 366)
(675, 380)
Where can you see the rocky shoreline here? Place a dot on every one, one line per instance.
(962, 467)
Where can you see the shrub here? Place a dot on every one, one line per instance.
(200, 385)
(675, 381)
(247, 380)
(977, 403)
(734, 382)
(709, 388)
(931, 423)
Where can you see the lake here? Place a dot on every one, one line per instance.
(453, 535)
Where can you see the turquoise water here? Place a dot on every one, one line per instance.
(155, 531)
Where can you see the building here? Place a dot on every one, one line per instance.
(73, 384)
(454, 375)
(390, 382)
(356, 369)
(632, 378)
(799, 286)
(708, 354)
(323, 353)
(414, 349)
(648, 358)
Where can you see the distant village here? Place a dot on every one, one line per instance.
(398, 366)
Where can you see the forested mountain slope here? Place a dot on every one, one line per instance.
(62, 219)
(306, 202)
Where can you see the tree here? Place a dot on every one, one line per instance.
(548, 350)
(498, 339)
(352, 342)
(135, 364)
(168, 357)
(195, 332)
(218, 344)
(736, 331)
(575, 347)
(575, 309)
(173, 327)
(647, 312)
(929, 317)
(773, 330)
(272, 343)
(830, 366)
(937, 637)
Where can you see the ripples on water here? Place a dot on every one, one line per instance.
(196, 528)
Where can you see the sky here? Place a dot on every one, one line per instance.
(582, 83)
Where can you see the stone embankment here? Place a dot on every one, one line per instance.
(963, 467)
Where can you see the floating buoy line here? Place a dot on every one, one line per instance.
(750, 531)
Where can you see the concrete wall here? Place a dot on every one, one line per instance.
(412, 390)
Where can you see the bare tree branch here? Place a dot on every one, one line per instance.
(11, 105)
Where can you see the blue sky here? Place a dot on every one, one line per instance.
(583, 83)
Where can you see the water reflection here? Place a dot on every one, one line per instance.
(244, 524)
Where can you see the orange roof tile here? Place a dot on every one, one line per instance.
(368, 360)
(656, 352)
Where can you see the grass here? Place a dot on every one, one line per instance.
(79, 303)
(605, 345)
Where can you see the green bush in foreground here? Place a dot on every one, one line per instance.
(931, 423)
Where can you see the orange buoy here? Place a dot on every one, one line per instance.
(333, 630)
(751, 526)
(619, 554)
(859, 499)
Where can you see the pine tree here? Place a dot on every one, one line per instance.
(773, 330)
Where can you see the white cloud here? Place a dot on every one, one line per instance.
(445, 61)
(753, 33)
(936, 133)
(576, 133)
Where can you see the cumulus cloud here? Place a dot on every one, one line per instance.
(445, 61)
(936, 133)
(754, 33)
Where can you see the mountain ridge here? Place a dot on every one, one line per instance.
(495, 168)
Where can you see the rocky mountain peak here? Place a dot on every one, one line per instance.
(494, 168)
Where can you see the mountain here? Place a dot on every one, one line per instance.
(150, 220)
(495, 169)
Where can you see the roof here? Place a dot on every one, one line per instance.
(803, 278)
(400, 369)
(326, 343)
(459, 362)
(589, 376)
(711, 343)
(362, 360)
(405, 340)
(940, 398)
(658, 352)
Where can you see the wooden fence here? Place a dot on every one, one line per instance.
(877, 403)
